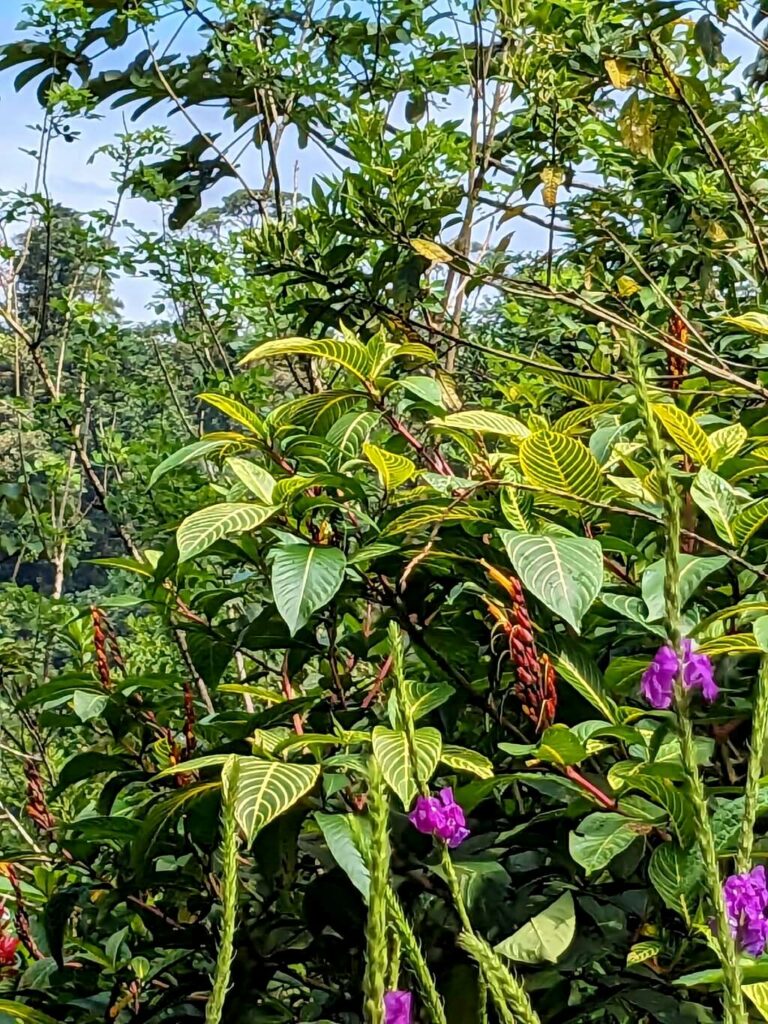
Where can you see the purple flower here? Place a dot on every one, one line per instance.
(746, 903)
(398, 1007)
(440, 816)
(658, 682)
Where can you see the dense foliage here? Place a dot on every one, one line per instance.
(444, 422)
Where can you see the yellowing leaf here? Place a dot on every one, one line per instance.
(552, 178)
(636, 126)
(755, 323)
(619, 72)
(431, 250)
(627, 286)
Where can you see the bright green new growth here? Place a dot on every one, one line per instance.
(229, 847)
(376, 966)
(734, 997)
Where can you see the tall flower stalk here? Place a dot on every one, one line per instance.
(735, 1011)
(376, 960)
(229, 846)
(754, 770)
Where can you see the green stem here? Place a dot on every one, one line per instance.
(453, 884)
(413, 953)
(735, 1011)
(229, 847)
(509, 997)
(375, 979)
(754, 770)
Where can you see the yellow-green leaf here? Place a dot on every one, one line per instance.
(349, 353)
(235, 410)
(394, 470)
(749, 519)
(430, 250)
(258, 480)
(726, 443)
(737, 643)
(427, 515)
(392, 750)
(463, 760)
(483, 421)
(755, 323)
(685, 432)
(265, 789)
(642, 951)
(205, 527)
(557, 462)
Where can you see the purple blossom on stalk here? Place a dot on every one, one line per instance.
(746, 903)
(398, 1007)
(440, 816)
(658, 682)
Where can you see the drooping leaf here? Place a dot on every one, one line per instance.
(20, 1013)
(429, 514)
(208, 525)
(718, 499)
(339, 833)
(189, 453)
(266, 789)
(559, 745)
(546, 937)
(565, 573)
(392, 751)
(558, 462)
(755, 323)
(749, 519)
(304, 578)
(431, 250)
(575, 667)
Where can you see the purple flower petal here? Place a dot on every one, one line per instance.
(398, 1007)
(746, 902)
(440, 816)
(658, 682)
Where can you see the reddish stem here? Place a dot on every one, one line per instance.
(589, 787)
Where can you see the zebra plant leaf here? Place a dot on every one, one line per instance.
(558, 462)
(266, 789)
(482, 421)
(685, 432)
(394, 470)
(749, 519)
(565, 573)
(208, 525)
(349, 353)
(392, 751)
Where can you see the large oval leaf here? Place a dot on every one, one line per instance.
(304, 578)
(205, 527)
(392, 751)
(566, 573)
(545, 937)
(265, 789)
(483, 421)
(349, 353)
(685, 432)
(558, 462)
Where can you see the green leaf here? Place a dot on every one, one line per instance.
(184, 767)
(463, 760)
(565, 573)
(749, 520)
(189, 453)
(426, 515)
(349, 433)
(304, 578)
(676, 875)
(390, 747)
(599, 838)
(208, 525)
(88, 705)
(394, 470)
(258, 480)
(685, 432)
(718, 500)
(672, 798)
(266, 789)
(726, 443)
(694, 569)
(349, 353)
(733, 644)
(482, 421)
(760, 629)
(643, 951)
(339, 834)
(574, 666)
(20, 1013)
(558, 745)
(425, 697)
(516, 503)
(546, 937)
(558, 462)
(235, 410)
(758, 996)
